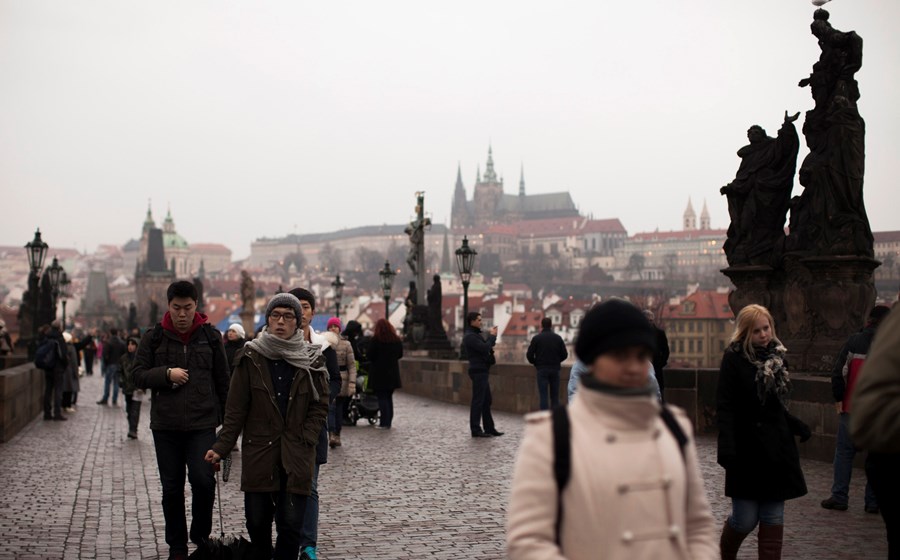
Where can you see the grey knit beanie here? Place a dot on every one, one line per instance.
(284, 299)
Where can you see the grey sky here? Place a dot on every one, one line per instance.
(251, 117)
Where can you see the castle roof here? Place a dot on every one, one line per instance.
(702, 304)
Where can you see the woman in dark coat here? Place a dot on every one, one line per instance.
(385, 351)
(756, 435)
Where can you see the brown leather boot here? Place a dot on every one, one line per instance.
(332, 440)
(337, 440)
(730, 542)
(771, 537)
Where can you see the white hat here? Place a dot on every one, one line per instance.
(67, 337)
(238, 328)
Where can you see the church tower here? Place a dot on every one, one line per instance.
(459, 213)
(704, 217)
(522, 181)
(690, 217)
(488, 194)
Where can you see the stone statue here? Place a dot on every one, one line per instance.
(435, 298)
(410, 302)
(759, 196)
(830, 215)
(416, 232)
(248, 292)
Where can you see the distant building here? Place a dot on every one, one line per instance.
(698, 328)
(887, 250)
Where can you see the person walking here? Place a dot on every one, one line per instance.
(385, 351)
(875, 424)
(279, 399)
(347, 364)
(182, 361)
(113, 350)
(756, 445)
(235, 338)
(88, 347)
(134, 397)
(480, 353)
(615, 474)
(70, 383)
(54, 343)
(546, 353)
(844, 377)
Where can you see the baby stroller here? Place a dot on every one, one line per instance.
(363, 404)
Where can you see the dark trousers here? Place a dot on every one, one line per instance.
(174, 450)
(548, 382)
(336, 415)
(385, 407)
(89, 362)
(287, 510)
(882, 471)
(69, 398)
(52, 393)
(480, 411)
(132, 412)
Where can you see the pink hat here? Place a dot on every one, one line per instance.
(332, 322)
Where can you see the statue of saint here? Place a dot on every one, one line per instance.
(759, 196)
(248, 292)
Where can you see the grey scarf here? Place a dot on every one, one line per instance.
(295, 351)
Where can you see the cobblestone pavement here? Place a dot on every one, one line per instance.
(425, 489)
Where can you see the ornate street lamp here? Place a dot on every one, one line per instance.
(465, 261)
(64, 284)
(338, 286)
(387, 282)
(36, 250)
(54, 274)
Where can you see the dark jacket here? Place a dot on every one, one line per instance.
(547, 350)
(126, 373)
(199, 403)
(756, 441)
(858, 343)
(478, 350)
(384, 369)
(232, 346)
(113, 350)
(271, 440)
(62, 356)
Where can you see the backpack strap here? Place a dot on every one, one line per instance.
(562, 455)
(675, 428)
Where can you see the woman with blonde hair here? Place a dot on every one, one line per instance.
(756, 435)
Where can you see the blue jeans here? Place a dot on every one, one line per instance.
(385, 407)
(309, 533)
(745, 514)
(174, 450)
(844, 452)
(548, 379)
(111, 375)
(287, 509)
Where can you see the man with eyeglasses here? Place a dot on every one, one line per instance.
(182, 361)
(279, 400)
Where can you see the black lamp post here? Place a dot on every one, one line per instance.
(36, 250)
(387, 282)
(338, 286)
(64, 284)
(465, 261)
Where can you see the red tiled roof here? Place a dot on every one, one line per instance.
(669, 235)
(502, 229)
(558, 226)
(520, 322)
(886, 236)
(702, 304)
(612, 225)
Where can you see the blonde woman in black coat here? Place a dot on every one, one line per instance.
(756, 435)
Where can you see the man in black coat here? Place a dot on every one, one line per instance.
(660, 355)
(481, 356)
(53, 377)
(546, 353)
(113, 350)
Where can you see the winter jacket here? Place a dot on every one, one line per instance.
(346, 363)
(756, 443)
(70, 382)
(631, 494)
(384, 368)
(200, 402)
(547, 350)
(113, 351)
(271, 440)
(478, 350)
(875, 422)
(856, 346)
(126, 374)
(334, 387)
(232, 346)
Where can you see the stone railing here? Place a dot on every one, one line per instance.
(21, 398)
(514, 389)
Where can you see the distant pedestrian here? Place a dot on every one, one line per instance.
(756, 435)
(480, 353)
(385, 351)
(235, 338)
(70, 383)
(615, 474)
(844, 377)
(87, 346)
(278, 367)
(113, 350)
(6, 344)
(546, 352)
(347, 364)
(660, 355)
(53, 342)
(875, 425)
(134, 397)
(182, 360)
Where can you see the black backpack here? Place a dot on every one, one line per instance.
(562, 451)
(47, 354)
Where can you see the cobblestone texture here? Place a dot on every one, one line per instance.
(425, 489)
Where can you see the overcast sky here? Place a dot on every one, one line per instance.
(262, 118)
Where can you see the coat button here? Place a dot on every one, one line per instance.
(656, 433)
(627, 536)
(666, 481)
(610, 438)
(623, 488)
(674, 531)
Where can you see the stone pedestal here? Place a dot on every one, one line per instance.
(817, 303)
(249, 324)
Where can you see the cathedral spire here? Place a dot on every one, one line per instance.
(522, 181)
(704, 217)
(149, 223)
(478, 174)
(459, 183)
(490, 176)
(690, 217)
